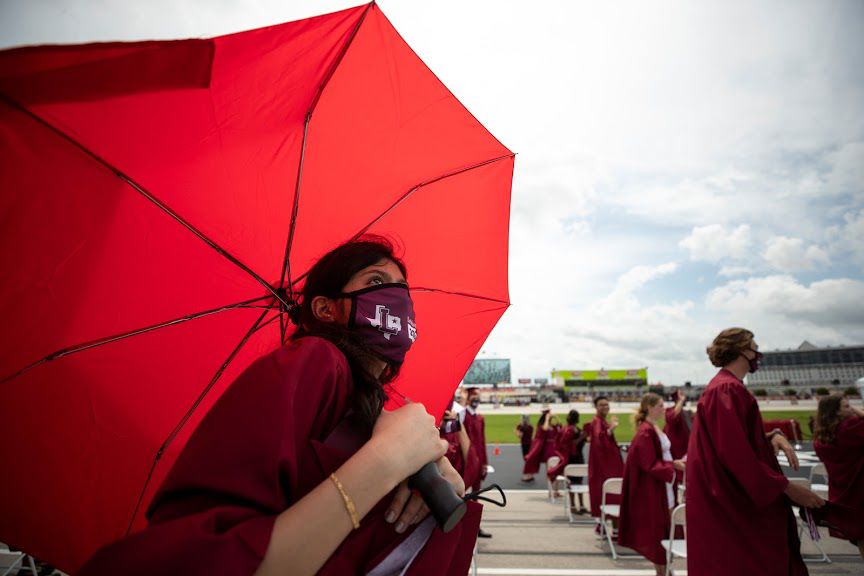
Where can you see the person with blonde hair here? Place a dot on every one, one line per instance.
(646, 495)
(739, 517)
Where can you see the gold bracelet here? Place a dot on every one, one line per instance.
(349, 504)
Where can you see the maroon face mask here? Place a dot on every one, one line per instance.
(383, 315)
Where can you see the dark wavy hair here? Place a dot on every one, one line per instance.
(828, 418)
(328, 277)
(573, 417)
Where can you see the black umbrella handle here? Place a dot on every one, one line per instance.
(446, 506)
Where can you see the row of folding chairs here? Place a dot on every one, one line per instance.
(678, 547)
(17, 558)
(675, 547)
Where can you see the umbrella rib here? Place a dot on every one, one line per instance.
(141, 190)
(107, 340)
(465, 294)
(427, 183)
(188, 414)
(286, 264)
(412, 191)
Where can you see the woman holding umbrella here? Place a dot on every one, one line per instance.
(290, 471)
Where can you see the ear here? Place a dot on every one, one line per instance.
(324, 309)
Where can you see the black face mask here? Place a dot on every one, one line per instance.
(753, 362)
(474, 402)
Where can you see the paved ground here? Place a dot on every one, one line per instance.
(532, 537)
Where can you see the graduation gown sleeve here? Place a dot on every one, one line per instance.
(675, 427)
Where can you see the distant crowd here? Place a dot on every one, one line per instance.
(717, 468)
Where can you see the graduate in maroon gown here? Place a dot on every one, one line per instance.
(475, 426)
(839, 445)
(569, 447)
(677, 425)
(543, 446)
(525, 432)
(296, 469)
(604, 456)
(647, 495)
(739, 517)
(460, 453)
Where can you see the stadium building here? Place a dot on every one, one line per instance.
(809, 366)
(617, 383)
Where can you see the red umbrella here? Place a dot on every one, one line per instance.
(160, 201)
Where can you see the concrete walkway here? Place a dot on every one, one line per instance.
(532, 537)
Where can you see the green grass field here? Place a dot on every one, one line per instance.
(499, 427)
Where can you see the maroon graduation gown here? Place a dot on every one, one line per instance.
(675, 427)
(475, 426)
(644, 503)
(604, 461)
(569, 449)
(844, 462)
(468, 468)
(542, 448)
(738, 519)
(276, 433)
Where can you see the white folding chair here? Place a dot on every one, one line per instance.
(804, 529)
(553, 485)
(576, 471)
(17, 558)
(611, 486)
(673, 546)
(819, 488)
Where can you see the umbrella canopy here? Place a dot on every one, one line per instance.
(161, 200)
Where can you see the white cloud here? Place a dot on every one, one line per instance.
(847, 171)
(714, 243)
(832, 302)
(638, 276)
(791, 254)
(847, 240)
(730, 271)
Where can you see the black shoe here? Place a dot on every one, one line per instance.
(483, 534)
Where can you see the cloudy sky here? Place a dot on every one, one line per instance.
(682, 166)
